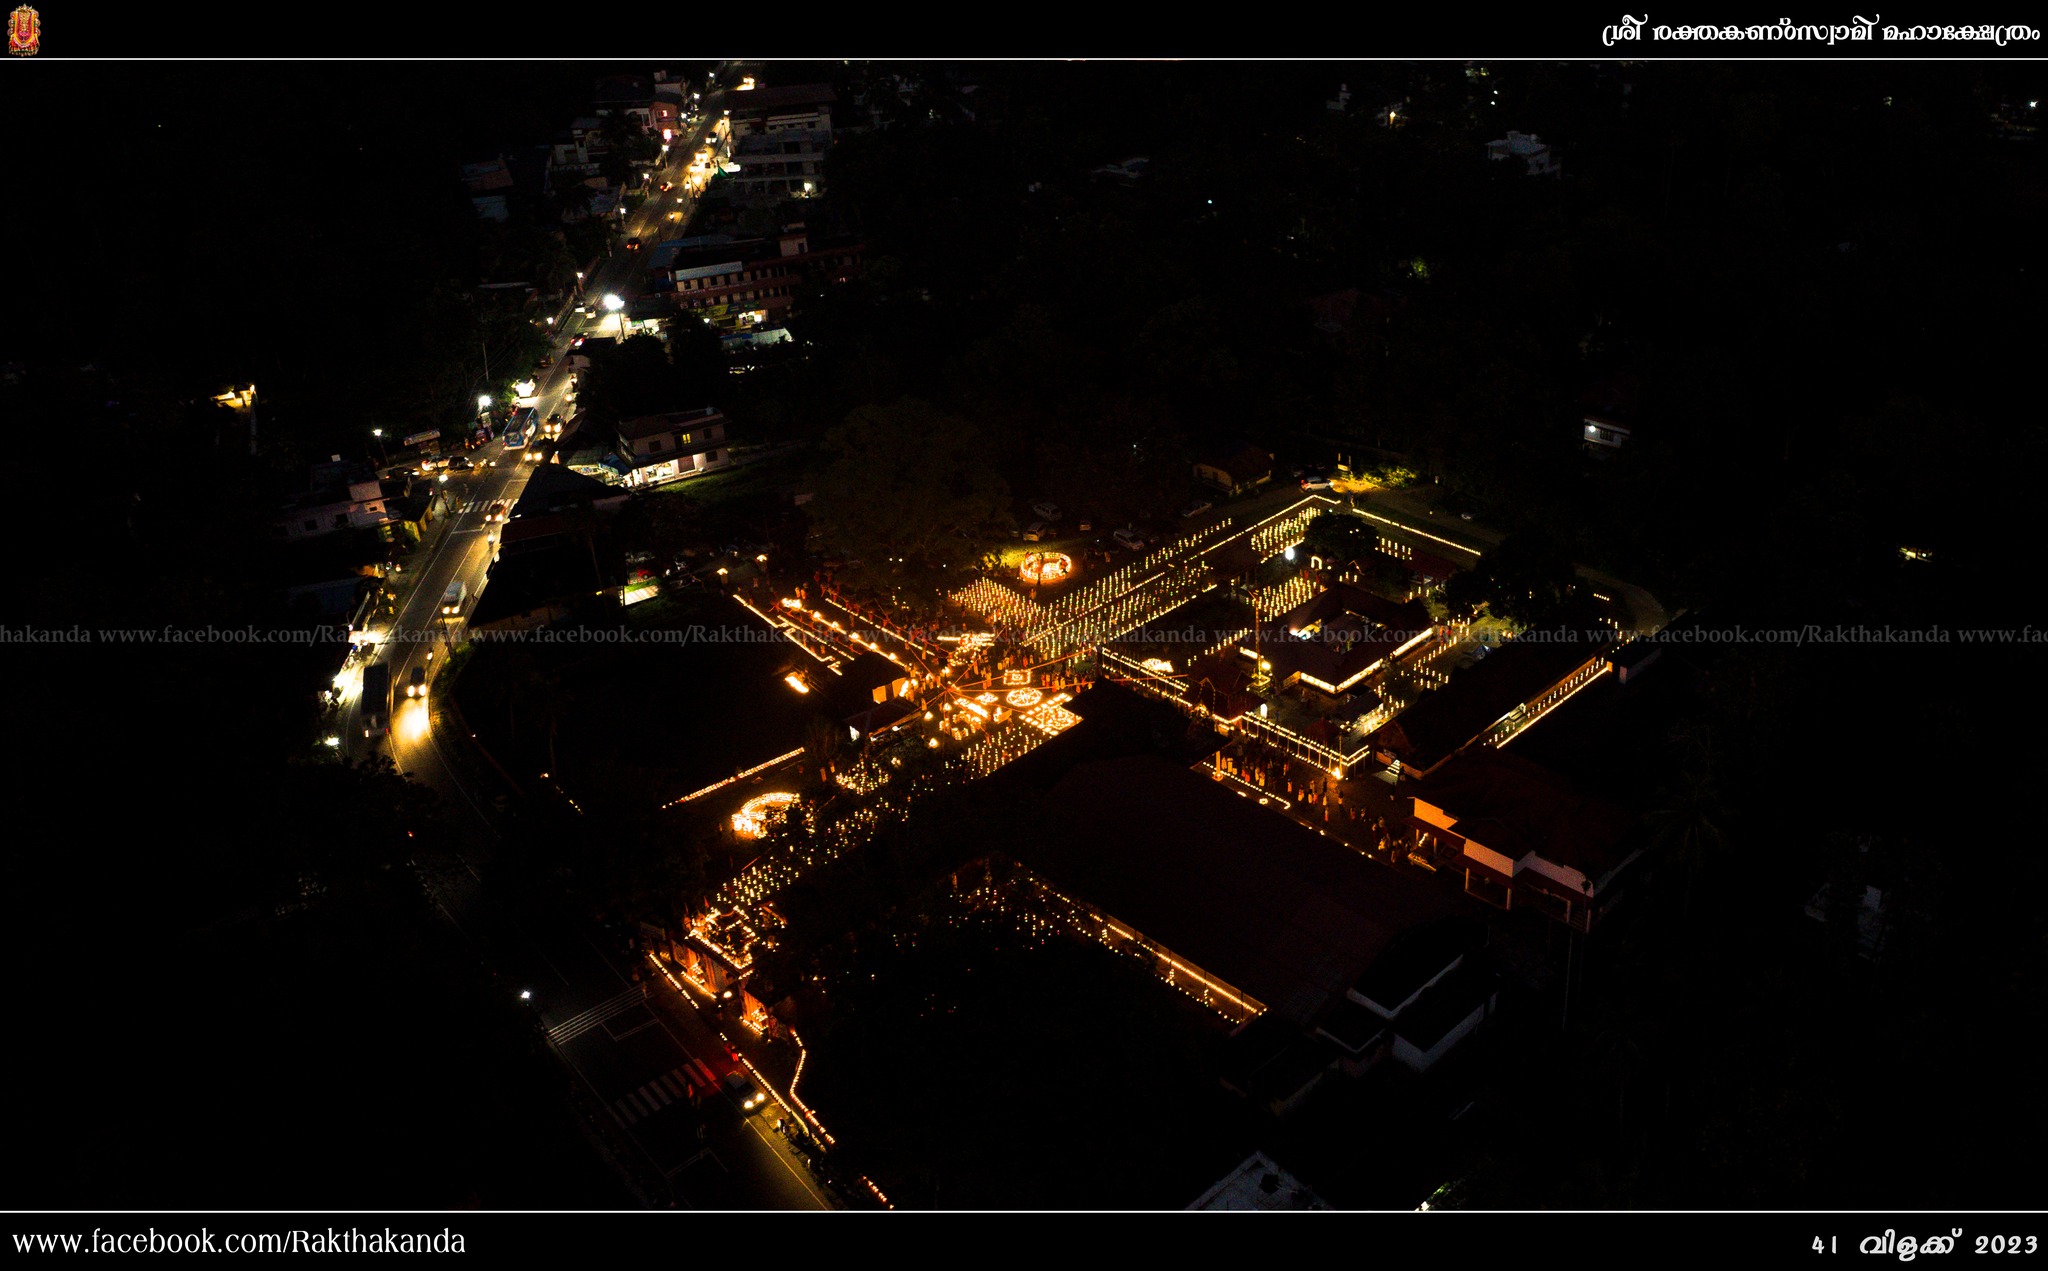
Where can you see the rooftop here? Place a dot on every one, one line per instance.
(1351, 1027)
(1416, 958)
(1342, 632)
(1480, 695)
(1515, 807)
(1259, 1184)
(554, 486)
(518, 584)
(1270, 907)
(759, 101)
(672, 421)
(1446, 1006)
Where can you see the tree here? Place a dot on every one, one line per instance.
(1690, 823)
(1464, 592)
(572, 200)
(1525, 579)
(1339, 538)
(901, 478)
(822, 741)
(629, 380)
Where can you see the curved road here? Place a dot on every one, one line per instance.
(633, 1063)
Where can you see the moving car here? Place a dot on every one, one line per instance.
(742, 1088)
(632, 244)
(495, 512)
(416, 683)
(460, 463)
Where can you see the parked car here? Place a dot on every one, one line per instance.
(416, 683)
(1084, 525)
(1046, 511)
(1459, 505)
(1035, 531)
(546, 360)
(1196, 508)
(1317, 481)
(1130, 540)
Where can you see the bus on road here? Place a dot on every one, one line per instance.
(376, 703)
(525, 423)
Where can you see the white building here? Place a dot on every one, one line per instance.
(1604, 434)
(361, 505)
(1260, 1185)
(678, 444)
(1529, 148)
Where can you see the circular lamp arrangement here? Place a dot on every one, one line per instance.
(751, 821)
(1047, 567)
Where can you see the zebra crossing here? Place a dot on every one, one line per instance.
(577, 1025)
(673, 1086)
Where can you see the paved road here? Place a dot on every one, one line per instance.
(637, 1046)
(634, 1062)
